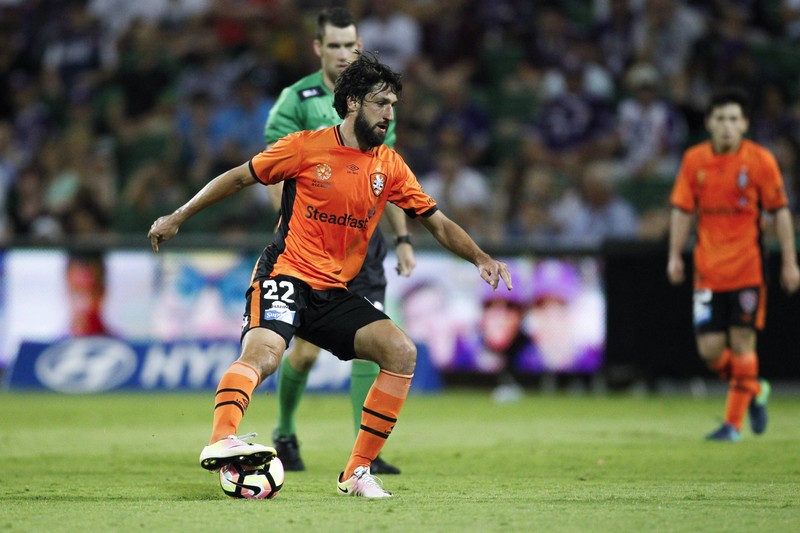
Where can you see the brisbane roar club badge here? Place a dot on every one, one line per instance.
(378, 182)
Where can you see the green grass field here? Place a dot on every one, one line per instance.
(128, 462)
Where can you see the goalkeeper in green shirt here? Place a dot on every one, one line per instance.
(308, 105)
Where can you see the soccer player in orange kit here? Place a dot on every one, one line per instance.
(336, 182)
(726, 182)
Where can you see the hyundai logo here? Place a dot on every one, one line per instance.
(86, 364)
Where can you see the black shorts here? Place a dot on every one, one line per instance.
(717, 311)
(328, 319)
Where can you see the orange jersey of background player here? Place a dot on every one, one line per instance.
(333, 197)
(728, 192)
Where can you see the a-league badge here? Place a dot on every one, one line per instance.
(323, 171)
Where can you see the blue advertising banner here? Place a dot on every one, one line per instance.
(84, 365)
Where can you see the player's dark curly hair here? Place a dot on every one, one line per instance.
(729, 95)
(363, 76)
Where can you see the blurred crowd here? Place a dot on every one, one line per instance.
(539, 123)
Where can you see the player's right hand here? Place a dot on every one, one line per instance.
(676, 272)
(492, 271)
(790, 277)
(163, 229)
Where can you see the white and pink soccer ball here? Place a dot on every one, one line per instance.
(256, 483)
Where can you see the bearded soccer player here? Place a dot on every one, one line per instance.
(726, 182)
(336, 182)
(308, 105)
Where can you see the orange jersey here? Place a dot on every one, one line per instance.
(728, 193)
(333, 197)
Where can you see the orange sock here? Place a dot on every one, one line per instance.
(743, 386)
(232, 399)
(378, 417)
(722, 366)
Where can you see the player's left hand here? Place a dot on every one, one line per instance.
(492, 271)
(406, 260)
(790, 277)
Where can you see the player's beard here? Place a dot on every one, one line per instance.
(366, 134)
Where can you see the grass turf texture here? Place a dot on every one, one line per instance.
(128, 462)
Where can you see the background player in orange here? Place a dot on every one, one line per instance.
(336, 182)
(726, 182)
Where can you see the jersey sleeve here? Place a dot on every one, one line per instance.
(773, 194)
(683, 196)
(284, 117)
(407, 194)
(280, 162)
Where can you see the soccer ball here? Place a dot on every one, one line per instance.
(255, 483)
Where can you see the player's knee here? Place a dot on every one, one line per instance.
(265, 361)
(743, 340)
(403, 356)
(303, 355)
(262, 349)
(711, 348)
(710, 357)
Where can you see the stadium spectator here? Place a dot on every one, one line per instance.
(650, 130)
(27, 213)
(386, 29)
(460, 189)
(241, 121)
(449, 32)
(293, 293)
(198, 139)
(579, 60)
(593, 211)
(665, 33)
(145, 72)
(460, 124)
(612, 32)
(151, 189)
(727, 181)
(80, 56)
(413, 126)
(790, 17)
(546, 41)
(33, 120)
(117, 16)
(728, 46)
(8, 176)
(572, 127)
(774, 118)
(787, 154)
(308, 105)
(208, 69)
(212, 44)
(531, 205)
(15, 62)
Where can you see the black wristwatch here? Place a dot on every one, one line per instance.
(402, 239)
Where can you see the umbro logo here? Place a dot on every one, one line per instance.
(352, 169)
